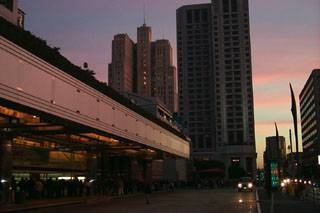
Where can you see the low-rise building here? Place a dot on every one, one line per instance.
(153, 105)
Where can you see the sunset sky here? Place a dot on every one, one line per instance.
(285, 43)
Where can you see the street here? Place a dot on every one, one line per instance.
(217, 200)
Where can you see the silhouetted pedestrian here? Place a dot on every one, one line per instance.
(171, 186)
(39, 188)
(81, 188)
(147, 191)
(50, 188)
(88, 186)
(30, 188)
(120, 186)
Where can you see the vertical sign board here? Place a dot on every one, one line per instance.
(318, 159)
(274, 174)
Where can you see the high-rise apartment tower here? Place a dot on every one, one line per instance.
(121, 70)
(145, 68)
(215, 81)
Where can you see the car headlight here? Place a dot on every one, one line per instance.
(250, 185)
(239, 185)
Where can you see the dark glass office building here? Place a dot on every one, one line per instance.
(310, 120)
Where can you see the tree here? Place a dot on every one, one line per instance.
(235, 172)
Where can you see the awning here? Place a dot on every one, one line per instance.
(214, 170)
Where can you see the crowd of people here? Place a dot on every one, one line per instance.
(54, 188)
(30, 188)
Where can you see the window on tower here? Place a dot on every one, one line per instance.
(189, 16)
(234, 6)
(225, 6)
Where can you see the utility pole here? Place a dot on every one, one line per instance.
(292, 162)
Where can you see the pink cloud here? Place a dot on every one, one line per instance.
(264, 102)
(278, 68)
(268, 123)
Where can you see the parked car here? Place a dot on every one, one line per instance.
(245, 184)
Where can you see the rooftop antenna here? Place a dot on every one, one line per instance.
(163, 32)
(144, 13)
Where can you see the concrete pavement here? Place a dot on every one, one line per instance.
(285, 203)
(216, 200)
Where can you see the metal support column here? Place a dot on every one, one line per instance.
(5, 168)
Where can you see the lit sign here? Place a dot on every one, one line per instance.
(319, 159)
(261, 175)
(274, 174)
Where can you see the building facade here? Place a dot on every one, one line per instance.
(163, 74)
(215, 81)
(144, 68)
(276, 151)
(144, 35)
(153, 105)
(195, 76)
(9, 10)
(121, 69)
(310, 120)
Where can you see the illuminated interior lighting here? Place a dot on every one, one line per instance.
(64, 178)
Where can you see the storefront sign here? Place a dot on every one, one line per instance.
(274, 175)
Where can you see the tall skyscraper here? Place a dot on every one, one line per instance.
(145, 67)
(163, 74)
(310, 118)
(144, 61)
(121, 69)
(195, 76)
(215, 81)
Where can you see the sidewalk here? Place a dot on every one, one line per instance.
(285, 203)
(46, 203)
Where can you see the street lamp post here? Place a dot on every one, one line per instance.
(292, 159)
